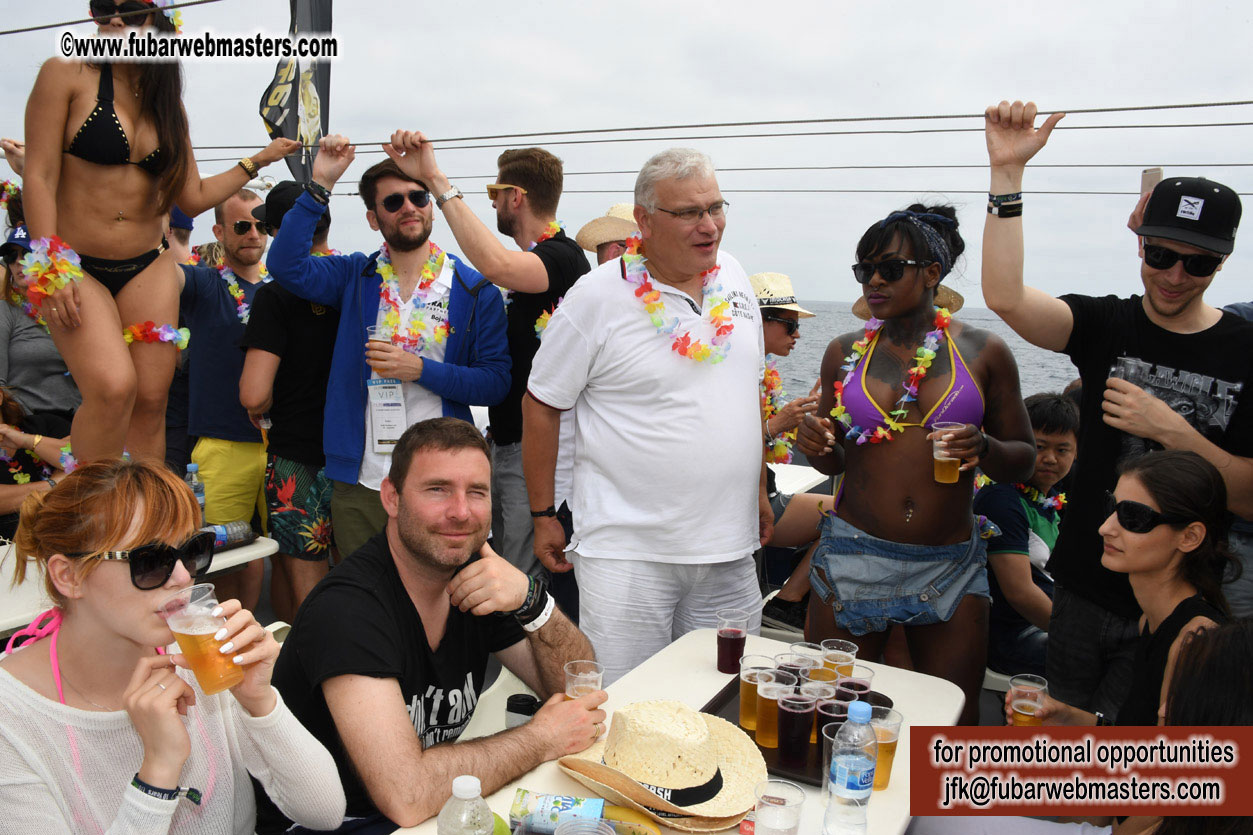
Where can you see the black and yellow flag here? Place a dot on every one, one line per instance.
(296, 104)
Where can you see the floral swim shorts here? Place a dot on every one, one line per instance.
(298, 498)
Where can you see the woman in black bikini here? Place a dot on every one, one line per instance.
(89, 182)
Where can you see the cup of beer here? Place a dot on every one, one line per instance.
(838, 655)
(1026, 697)
(947, 470)
(189, 614)
(886, 724)
(768, 694)
(379, 333)
(753, 669)
(583, 677)
(821, 691)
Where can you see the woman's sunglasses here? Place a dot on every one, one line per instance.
(790, 325)
(152, 565)
(1135, 517)
(394, 202)
(134, 12)
(1197, 264)
(891, 271)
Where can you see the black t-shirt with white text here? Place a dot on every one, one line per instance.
(565, 263)
(1201, 376)
(359, 620)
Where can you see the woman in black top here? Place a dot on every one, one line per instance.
(29, 456)
(1167, 531)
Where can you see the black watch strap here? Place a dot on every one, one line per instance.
(548, 511)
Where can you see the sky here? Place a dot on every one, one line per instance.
(474, 68)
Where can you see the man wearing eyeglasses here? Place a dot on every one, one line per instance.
(662, 351)
(1162, 370)
(437, 339)
(214, 306)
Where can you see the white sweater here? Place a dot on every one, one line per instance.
(65, 770)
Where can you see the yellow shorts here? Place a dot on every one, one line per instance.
(234, 479)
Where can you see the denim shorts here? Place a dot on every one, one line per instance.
(778, 504)
(871, 583)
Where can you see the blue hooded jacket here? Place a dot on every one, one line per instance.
(476, 365)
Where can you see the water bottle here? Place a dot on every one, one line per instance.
(231, 535)
(466, 812)
(197, 486)
(853, 757)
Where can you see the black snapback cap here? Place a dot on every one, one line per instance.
(1193, 210)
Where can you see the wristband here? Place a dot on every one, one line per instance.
(551, 510)
(49, 266)
(1103, 721)
(318, 192)
(538, 622)
(769, 434)
(1006, 211)
(166, 794)
(998, 199)
(250, 167)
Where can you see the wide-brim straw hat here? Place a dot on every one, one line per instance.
(688, 770)
(617, 224)
(775, 290)
(945, 297)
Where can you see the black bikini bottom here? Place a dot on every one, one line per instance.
(115, 274)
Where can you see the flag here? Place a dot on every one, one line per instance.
(296, 104)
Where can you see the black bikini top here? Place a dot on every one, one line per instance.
(97, 142)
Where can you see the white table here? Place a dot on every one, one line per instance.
(686, 671)
(19, 606)
(796, 478)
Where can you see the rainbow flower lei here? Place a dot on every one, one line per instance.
(18, 471)
(718, 315)
(68, 462)
(923, 358)
(541, 324)
(8, 190)
(1033, 494)
(415, 337)
(149, 332)
(175, 15)
(193, 259)
(242, 308)
(774, 398)
(29, 309)
(49, 266)
(553, 227)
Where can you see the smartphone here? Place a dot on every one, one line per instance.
(1149, 178)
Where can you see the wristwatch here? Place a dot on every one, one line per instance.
(452, 192)
(548, 511)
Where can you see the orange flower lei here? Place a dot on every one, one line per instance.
(718, 315)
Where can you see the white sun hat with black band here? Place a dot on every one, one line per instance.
(689, 770)
(775, 290)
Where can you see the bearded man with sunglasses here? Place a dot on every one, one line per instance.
(438, 344)
(214, 305)
(1162, 370)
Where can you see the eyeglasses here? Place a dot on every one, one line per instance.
(791, 325)
(1135, 517)
(241, 227)
(496, 188)
(152, 565)
(890, 270)
(394, 202)
(134, 12)
(1197, 264)
(694, 215)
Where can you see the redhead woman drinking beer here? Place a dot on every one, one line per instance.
(100, 731)
(902, 545)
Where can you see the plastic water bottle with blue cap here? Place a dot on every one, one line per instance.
(853, 755)
(197, 486)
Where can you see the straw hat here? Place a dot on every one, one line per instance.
(945, 297)
(689, 770)
(617, 224)
(775, 290)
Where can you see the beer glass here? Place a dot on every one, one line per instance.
(583, 677)
(947, 470)
(753, 669)
(1026, 697)
(768, 695)
(189, 614)
(886, 723)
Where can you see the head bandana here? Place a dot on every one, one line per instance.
(937, 247)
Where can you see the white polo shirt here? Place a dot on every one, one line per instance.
(667, 451)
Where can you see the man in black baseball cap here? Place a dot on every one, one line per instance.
(1159, 370)
(277, 202)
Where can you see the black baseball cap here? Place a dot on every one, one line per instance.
(278, 201)
(1193, 210)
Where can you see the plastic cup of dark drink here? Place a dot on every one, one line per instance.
(822, 692)
(796, 663)
(732, 633)
(796, 720)
(830, 712)
(852, 687)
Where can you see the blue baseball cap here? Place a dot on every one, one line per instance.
(178, 220)
(18, 237)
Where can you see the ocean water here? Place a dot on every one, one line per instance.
(1038, 369)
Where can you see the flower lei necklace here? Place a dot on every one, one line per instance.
(773, 399)
(553, 227)
(17, 470)
(1032, 494)
(242, 308)
(541, 324)
(718, 316)
(923, 358)
(18, 300)
(415, 337)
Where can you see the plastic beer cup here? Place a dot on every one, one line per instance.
(583, 677)
(1026, 697)
(947, 469)
(768, 695)
(821, 691)
(753, 669)
(886, 723)
(189, 614)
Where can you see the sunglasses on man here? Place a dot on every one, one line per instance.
(394, 202)
(133, 12)
(1198, 264)
(153, 565)
(241, 227)
(892, 270)
(1135, 517)
(496, 188)
(790, 325)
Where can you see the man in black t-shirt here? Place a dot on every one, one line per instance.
(386, 658)
(525, 197)
(1162, 370)
(290, 342)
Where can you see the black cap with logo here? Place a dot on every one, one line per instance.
(1193, 210)
(279, 200)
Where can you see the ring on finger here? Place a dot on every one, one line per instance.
(162, 686)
